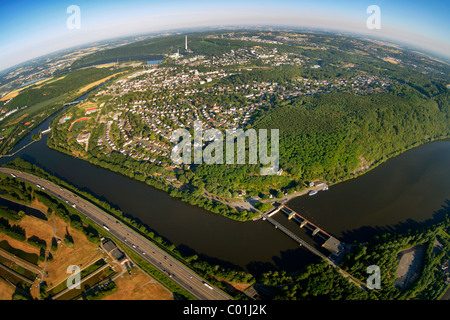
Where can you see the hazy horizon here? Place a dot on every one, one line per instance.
(38, 29)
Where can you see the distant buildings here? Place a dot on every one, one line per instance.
(64, 119)
(176, 55)
(9, 113)
(111, 248)
(186, 45)
(91, 110)
(83, 138)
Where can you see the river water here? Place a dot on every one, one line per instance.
(405, 191)
(410, 190)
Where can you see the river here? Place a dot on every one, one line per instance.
(410, 190)
(404, 191)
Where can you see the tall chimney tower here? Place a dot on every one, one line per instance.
(185, 43)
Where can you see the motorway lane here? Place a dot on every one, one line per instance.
(177, 271)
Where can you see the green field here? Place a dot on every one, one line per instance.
(79, 125)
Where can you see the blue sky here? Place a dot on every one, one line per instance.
(30, 29)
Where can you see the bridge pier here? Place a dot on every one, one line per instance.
(296, 238)
(331, 244)
(315, 231)
(275, 211)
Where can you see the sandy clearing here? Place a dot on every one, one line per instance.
(16, 120)
(94, 84)
(48, 81)
(105, 65)
(82, 253)
(240, 286)
(10, 95)
(15, 92)
(6, 290)
(390, 60)
(139, 286)
(410, 261)
(39, 205)
(36, 227)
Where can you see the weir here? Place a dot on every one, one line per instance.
(294, 237)
(331, 243)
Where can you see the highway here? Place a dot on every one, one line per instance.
(148, 251)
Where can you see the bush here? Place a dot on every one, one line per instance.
(54, 245)
(13, 231)
(11, 214)
(37, 242)
(263, 207)
(68, 241)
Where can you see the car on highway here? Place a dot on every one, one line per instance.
(207, 285)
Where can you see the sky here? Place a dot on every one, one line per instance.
(29, 29)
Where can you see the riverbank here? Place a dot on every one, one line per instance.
(235, 209)
(159, 182)
(247, 204)
(185, 225)
(195, 263)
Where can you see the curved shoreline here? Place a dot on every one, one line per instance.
(246, 205)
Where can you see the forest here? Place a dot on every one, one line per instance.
(325, 135)
(332, 136)
(323, 282)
